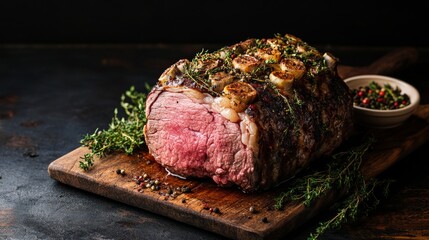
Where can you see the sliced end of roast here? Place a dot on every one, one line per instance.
(189, 137)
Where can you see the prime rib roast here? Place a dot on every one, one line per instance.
(249, 115)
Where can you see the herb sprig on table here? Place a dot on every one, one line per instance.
(123, 134)
(342, 174)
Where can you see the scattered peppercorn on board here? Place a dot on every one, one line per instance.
(226, 211)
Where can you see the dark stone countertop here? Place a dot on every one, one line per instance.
(50, 96)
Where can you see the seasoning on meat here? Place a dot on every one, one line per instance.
(250, 115)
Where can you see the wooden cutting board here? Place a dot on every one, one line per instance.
(234, 220)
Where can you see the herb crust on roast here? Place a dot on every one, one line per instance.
(250, 115)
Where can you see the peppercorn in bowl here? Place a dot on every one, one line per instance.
(382, 101)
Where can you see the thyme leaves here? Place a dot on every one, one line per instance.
(123, 134)
(342, 173)
(193, 75)
(359, 203)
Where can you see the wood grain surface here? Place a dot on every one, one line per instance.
(393, 61)
(198, 206)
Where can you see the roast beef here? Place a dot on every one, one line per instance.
(249, 115)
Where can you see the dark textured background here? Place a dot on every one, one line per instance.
(53, 92)
(366, 23)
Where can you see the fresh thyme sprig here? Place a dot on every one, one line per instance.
(359, 203)
(342, 173)
(123, 134)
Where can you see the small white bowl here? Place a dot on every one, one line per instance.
(383, 118)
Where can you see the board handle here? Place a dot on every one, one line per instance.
(394, 61)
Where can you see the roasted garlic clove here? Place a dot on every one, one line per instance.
(282, 80)
(219, 80)
(170, 73)
(243, 46)
(270, 55)
(239, 96)
(204, 66)
(275, 42)
(246, 63)
(294, 66)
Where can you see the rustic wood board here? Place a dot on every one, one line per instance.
(234, 220)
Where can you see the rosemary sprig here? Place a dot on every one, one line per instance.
(123, 134)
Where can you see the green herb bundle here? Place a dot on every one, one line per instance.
(342, 173)
(123, 134)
